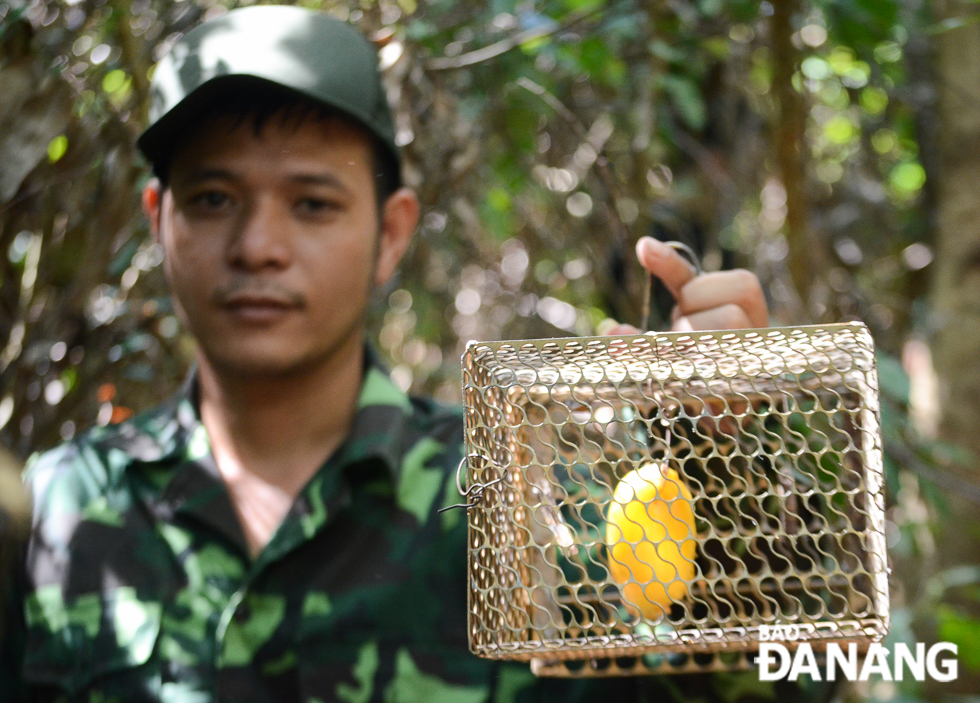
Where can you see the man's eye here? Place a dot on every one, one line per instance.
(315, 205)
(211, 199)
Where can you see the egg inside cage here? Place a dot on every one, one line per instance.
(663, 502)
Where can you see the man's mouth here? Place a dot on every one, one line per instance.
(259, 307)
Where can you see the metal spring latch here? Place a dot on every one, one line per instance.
(473, 494)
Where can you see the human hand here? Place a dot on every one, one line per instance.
(721, 300)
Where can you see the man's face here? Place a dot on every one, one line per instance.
(271, 241)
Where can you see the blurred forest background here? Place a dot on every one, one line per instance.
(831, 146)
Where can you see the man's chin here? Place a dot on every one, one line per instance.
(283, 355)
(283, 359)
(255, 366)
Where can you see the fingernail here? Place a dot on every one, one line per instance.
(653, 247)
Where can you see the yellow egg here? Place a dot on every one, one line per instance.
(651, 536)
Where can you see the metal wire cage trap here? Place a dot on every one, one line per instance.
(661, 502)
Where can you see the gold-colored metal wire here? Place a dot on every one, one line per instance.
(774, 433)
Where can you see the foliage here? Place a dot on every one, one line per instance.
(543, 138)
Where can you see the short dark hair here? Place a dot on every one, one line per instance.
(258, 101)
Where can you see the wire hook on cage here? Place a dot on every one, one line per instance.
(667, 413)
(648, 291)
(473, 494)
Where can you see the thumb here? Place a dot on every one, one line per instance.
(665, 263)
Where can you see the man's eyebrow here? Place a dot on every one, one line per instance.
(209, 174)
(322, 179)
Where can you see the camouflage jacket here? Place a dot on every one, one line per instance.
(137, 584)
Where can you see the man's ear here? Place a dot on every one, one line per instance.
(399, 216)
(152, 199)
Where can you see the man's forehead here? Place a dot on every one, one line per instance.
(313, 146)
(330, 132)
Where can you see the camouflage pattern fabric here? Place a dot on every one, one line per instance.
(137, 584)
(14, 520)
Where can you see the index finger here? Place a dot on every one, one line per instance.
(665, 263)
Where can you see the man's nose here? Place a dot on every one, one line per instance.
(261, 237)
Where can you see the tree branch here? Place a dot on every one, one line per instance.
(789, 146)
(603, 170)
(130, 58)
(447, 63)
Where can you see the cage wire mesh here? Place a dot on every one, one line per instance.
(654, 503)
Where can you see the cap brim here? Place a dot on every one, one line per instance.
(157, 141)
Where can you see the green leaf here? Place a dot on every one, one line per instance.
(952, 23)
(816, 68)
(69, 377)
(119, 96)
(124, 258)
(962, 575)
(113, 81)
(883, 141)
(718, 47)
(732, 687)
(420, 30)
(686, 97)
(963, 631)
(665, 52)
(57, 148)
(892, 379)
(839, 130)
(710, 8)
(499, 199)
(888, 52)
(908, 176)
(874, 100)
(583, 5)
(496, 212)
(595, 57)
(535, 44)
(841, 60)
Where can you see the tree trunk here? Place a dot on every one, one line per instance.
(789, 145)
(956, 291)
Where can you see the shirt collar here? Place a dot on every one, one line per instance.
(174, 431)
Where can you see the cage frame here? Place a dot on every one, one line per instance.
(612, 655)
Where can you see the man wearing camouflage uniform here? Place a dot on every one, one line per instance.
(272, 533)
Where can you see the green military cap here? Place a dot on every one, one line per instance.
(318, 56)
